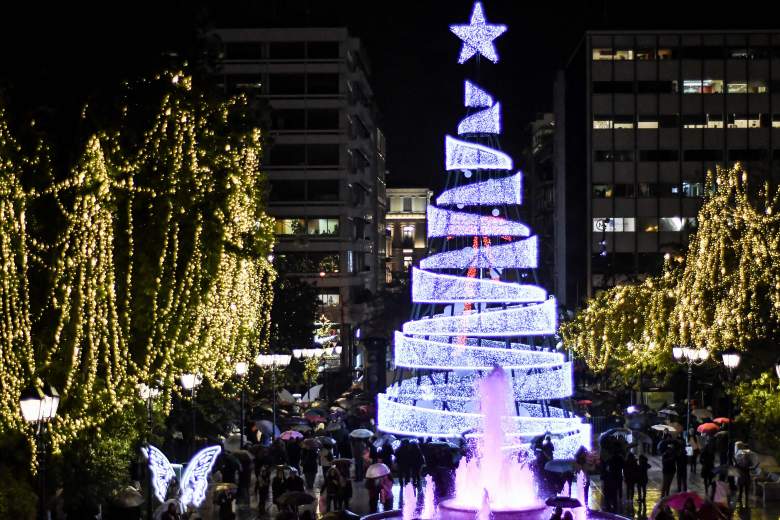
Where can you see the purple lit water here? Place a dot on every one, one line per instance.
(494, 477)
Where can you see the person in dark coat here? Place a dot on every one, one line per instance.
(707, 461)
(224, 502)
(262, 485)
(294, 454)
(668, 468)
(682, 468)
(278, 485)
(416, 463)
(357, 447)
(309, 462)
(631, 476)
(642, 477)
(294, 482)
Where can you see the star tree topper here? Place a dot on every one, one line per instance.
(478, 36)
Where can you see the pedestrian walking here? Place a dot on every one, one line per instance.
(358, 448)
(643, 468)
(668, 468)
(309, 463)
(386, 492)
(262, 485)
(331, 488)
(631, 476)
(681, 462)
(695, 445)
(372, 486)
(278, 485)
(293, 448)
(707, 459)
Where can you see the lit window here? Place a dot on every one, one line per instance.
(624, 54)
(776, 121)
(289, 226)
(648, 224)
(744, 121)
(613, 225)
(665, 54)
(602, 124)
(738, 87)
(329, 299)
(624, 122)
(603, 191)
(714, 121)
(692, 189)
(408, 261)
(702, 86)
(671, 223)
(647, 123)
(757, 86)
(323, 226)
(602, 54)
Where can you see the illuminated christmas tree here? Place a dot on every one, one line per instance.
(474, 307)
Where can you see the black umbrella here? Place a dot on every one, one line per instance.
(295, 498)
(562, 501)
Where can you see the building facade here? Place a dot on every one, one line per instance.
(407, 232)
(325, 159)
(660, 110)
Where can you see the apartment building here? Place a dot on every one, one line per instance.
(325, 159)
(407, 232)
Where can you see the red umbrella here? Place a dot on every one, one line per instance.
(584, 402)
(678, 500)
(708, 428)
(721, 420)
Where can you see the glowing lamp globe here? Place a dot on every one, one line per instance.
(777, 368)
(702, 354)
(677, 353)
(31, 402)
(241, 368)
(190, 381)
(731, 359)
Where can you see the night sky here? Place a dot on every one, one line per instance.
(62, 55)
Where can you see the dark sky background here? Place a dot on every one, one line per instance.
(61, 54)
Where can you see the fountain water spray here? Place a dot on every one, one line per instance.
(410, 502)
(429, 508)
(495, 472)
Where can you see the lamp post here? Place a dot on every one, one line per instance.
(272, 361)
(147, 393)
(39, 406)
(731, 359)
(241, 369)
(190, 382)
(689, 356)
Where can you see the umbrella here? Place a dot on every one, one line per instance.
(721, 433)
(746, 456)
(708, 428)
(295, 498)
(721, 420)
(326, 441)
(667, 411)
(334, 427)
(225, 486)
(267, 427)
(342, 461)
(678, 500)
(677, 426)
(615, 432)
(360, 433)
(701, 413)
(128, 497)
(291, 435)
(314, 411)
(384, 439)
(377, 470)
(562, 501)
(560, 466)
(300, 427)
(298, 420)
(663, 428)
(584, 402)
(311, 444)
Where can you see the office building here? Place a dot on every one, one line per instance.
(325, 160)
(407, 233)
(658, 110)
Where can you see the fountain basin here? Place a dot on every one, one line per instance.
(543, 513)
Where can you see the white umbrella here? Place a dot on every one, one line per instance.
(663, 428)
(377, 470)
(667, 411)
(361, 433)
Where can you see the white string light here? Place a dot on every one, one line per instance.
(518, 254)
(475, 96)
(508, 190)
(528, 320)
(486, 121)
(445, 222)
(463, 155)
(478, 36)
(428, 287)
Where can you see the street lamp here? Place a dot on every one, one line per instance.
(147, 393)
(272, 361)
(731, 359)
(241, 369)
(689, 356)
(190, 382)
(777, 367)
(39, 406)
